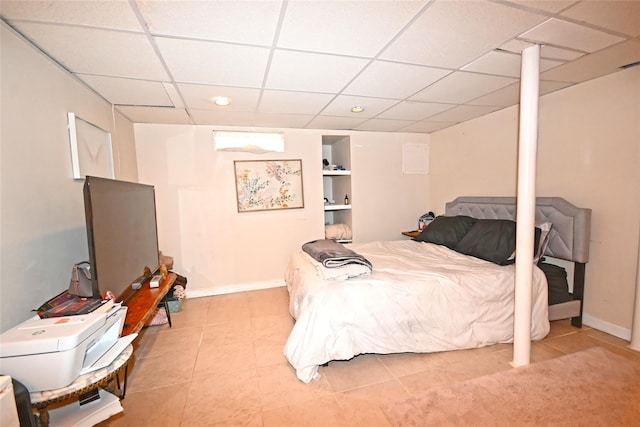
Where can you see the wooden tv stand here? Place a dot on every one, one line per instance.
(141, 306)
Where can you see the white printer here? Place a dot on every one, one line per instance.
(46, 354)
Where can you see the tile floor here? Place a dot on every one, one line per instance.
(221, 364)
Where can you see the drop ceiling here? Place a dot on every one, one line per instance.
(414, 66)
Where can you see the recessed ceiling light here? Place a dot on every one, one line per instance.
(357, 109)
(221, 101)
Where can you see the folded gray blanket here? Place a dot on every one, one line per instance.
(333, 254)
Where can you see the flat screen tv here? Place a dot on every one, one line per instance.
(122, 234)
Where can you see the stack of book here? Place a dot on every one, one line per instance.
(67, 304)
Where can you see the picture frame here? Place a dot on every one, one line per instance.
(91, 149)
(263, 185)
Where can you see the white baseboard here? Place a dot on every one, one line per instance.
(609, 328)
(230, 289)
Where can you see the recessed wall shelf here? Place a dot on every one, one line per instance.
(336, 149)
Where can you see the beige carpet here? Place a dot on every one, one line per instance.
(594, 387)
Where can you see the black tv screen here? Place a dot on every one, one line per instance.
(122, 234)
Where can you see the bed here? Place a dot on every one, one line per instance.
(425, 297)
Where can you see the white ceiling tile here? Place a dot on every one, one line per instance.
(453, 33)
(333, 122)
(620, 16)
(312, 72)
(345, 27)
(515, 46)
(252, 22)
(200, 97)
(129, 91)
(176, 116)
(463, 113)
(504, 64)
(567, 34)
(383, 125)
(504, 97)
(427, 126)
(223, 118)
(414, 110)
(283, 120)
(551, 6)
(342, 104)
(401, 80)
(172, 93)
(546, 51)
(94, 51)
(274, 101)
(552, 52)
(107, 14)
(460, 87)
(215, 63)
(327, 56)
(596, 64)
(500, 63)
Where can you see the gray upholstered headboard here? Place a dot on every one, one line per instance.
(569, 237)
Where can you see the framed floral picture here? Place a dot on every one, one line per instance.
(268, 184)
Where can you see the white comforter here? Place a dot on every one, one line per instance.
(420, 298)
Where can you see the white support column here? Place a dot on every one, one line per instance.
(526, 205)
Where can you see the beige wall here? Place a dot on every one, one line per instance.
(221, 250)
(42, 211)
(385, 200)
(588, 153)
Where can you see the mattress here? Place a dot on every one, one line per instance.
(420, 298)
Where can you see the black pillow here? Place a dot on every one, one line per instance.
(490, 239)
(557, 281)
(447, 230)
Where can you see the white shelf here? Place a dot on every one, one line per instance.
(335, 173)
(336, 207)
(344, 240)
(88, 414)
